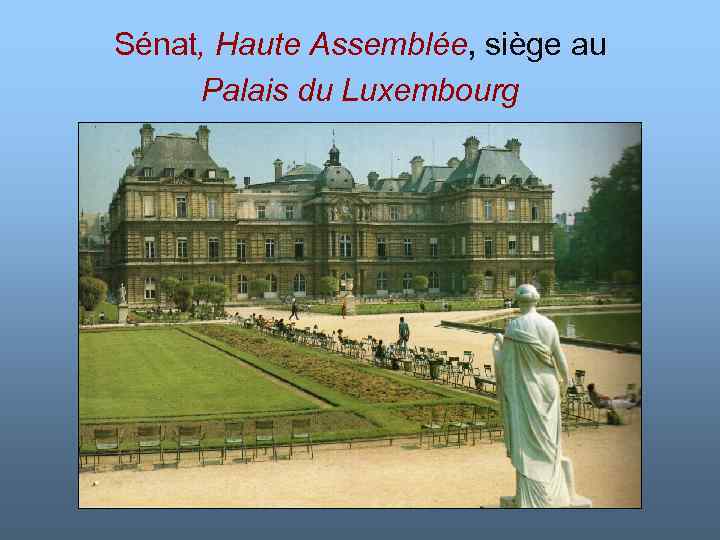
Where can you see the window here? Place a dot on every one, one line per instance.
(433, 280)
(169, 172)
(381, 252)
(149, 247)
(181, 206)
(487, 206)
(452, 281)
(289, 212)
(407, 246)
(333, 243)
(512, 244)
(148, 202)
(269, 248)
(394, 213)
(434, 247)
(213, 278)
(181, 276)
(536, 213)
(147, 172)
(211, 174)
(512, 210)
(345, 245)
(182, 248)
(407, 281)
(299, 283)
(463, 245)
(344, 277)
(242, 284)
(489, 281)
(260, 211)
(512, 280)
(241, 250)
(381, 282)
(273, 281)
(150, 293)
(488, 247)
(299, 248)
(452, 246)
(462, 210)
(212, 206)
(190, 173)
(535, 243)
(213, 249)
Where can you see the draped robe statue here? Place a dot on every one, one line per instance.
(532, 375)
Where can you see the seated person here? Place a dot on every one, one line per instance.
(604, 402)
(380, 353)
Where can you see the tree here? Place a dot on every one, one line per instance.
(258, 287)
(168, 286)
(546, 279)
(475, 284)
(91, 291)
(328, 286)
(85, 267)
(201, 292)
(216, 296)
(420, 282)
(183, 296)
(624, 277)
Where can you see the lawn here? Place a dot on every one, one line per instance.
(164, 373)
(110, 311)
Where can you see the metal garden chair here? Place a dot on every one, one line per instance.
(149, 440)
(234, 439)
(434, 427)
(300, 434)
(265, 437)
(107, 442)
(190, 438)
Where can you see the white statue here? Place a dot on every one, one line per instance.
(532, 376)
(123, 299)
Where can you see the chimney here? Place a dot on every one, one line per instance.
(246, 181)
(278, 169)
(472, 146)
(372, 179)
(453, 162)
(146, 136)
(203, 137)
(514, 146)
(416, 167)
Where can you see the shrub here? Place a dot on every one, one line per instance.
(546, 279)
(420, 283)
(85, 267)
(328, 286)
(217, 295)
(624, 277)
(183, 296)
(201, 292)
(91, 291)
(258, 287)
(168, 286)
(475, 283)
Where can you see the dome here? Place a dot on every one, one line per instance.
(337, 177)
(304, 171)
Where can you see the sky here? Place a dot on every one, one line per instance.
(564, 155)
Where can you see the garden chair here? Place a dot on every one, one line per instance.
(488, 371)
(479, 422)
(190, 438)
(453, 371)
(300, 434)
(107, 442)
(265, 437)
(149, 440)
(433, 427)
(494, 424)
(234, 439)
(467, 373)
(458, 428)
(579, 381)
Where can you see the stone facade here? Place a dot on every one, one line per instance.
(176, 213)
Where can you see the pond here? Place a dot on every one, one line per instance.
(619, 327)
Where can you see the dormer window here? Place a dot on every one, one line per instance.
(211, 174)
(147, 172)
(169, 172)
(190, 173)
(499, 179)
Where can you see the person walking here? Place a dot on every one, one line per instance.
(404, 330)
(294, 310)
(343, 309)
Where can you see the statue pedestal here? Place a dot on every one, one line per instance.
(123, 313)
(350, 304)
(508, 501)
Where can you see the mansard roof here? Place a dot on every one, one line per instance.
(491, 162)
(177, 152)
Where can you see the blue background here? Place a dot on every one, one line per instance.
(59, 68)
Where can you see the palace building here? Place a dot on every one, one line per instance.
(178, 213)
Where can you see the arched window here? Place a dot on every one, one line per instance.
(273, 281)
(381, 282)
(512, 280)
(242, 284)
(433, 280)
(343, 280)
(489, 281)
(345, 245)
(299, 283)
(150, 292)
(407, 281)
